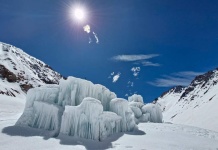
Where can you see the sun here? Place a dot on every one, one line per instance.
(79, 14)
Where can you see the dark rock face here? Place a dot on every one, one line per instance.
(26, 87)
(6, 74)
(9, 93)
(199, 80)
(176, 89)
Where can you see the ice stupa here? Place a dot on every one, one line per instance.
(77, 107)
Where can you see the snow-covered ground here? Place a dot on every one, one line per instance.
(150, 136)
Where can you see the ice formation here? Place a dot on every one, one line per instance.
(135, 98)
(144, 113)
(74, 90)
(120, 107)
(153, 113)
(88, 120)
(77, 108)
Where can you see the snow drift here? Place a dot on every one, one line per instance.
(77, 108)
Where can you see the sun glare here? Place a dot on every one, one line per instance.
(79, 14)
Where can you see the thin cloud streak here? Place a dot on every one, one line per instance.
(188, 73)
(148, 63)
(180, 78)
(127, 58)
(96, 38)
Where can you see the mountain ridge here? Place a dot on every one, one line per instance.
(19, 71)
(193, 105)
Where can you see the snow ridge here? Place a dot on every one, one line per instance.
(194, 105)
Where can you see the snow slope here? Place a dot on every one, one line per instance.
(20, 71)
(150, 136)
(195, 105)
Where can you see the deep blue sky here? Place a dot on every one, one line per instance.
(183, 32)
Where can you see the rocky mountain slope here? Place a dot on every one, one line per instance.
(19, 72)
(194, 105)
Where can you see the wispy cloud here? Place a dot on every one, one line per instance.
(133, 57)
(87, 29)
(96, 37)
(135, 71)
(130, 84)
(116, 77)
(180, 78)
(148, 63)
(187, 74)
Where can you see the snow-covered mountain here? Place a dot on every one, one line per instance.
(194, 105)
(19, 72)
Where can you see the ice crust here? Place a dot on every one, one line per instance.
(77, 108)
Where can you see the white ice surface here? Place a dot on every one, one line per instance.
(150, 136)
(74, 90)
(135, 98)
(120, 107)
(82, 120)
(154, 112)
(88, 120)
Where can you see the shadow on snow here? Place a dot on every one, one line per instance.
(68, 140)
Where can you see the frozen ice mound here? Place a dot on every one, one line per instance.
(88, 120)
(46, 94)
(152, 112)
(77, 108)
(135, 98)
(142, 112)
(120, 106)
